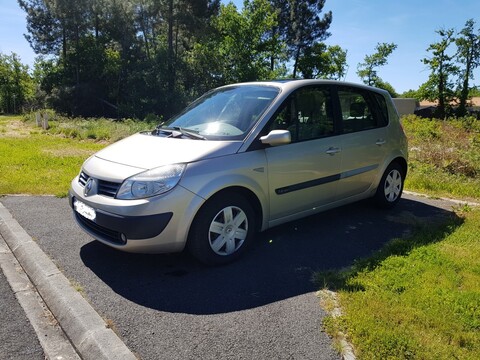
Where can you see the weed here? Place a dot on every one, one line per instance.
(444, 156)
(78, 287)
(99, 129)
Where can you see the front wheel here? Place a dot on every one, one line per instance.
(222, 229)
(390, 188)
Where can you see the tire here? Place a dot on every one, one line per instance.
(222, 229)
(390, 188)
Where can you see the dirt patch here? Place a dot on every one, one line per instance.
(68, 152)
(14, 128)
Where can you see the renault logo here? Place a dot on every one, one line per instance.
(88, 187)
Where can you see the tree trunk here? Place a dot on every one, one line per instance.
(462, 108)
(441, 93)
(171, 77)
(295, 65)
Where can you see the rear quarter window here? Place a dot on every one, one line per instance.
(382, 106)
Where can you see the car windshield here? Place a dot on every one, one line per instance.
(223, 114)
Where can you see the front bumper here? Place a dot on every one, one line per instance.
(155, 225)
(118, 228)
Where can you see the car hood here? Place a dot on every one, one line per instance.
(146, 151)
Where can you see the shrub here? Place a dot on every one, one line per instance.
(451, 146)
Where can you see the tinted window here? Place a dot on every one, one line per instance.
(307, 114)
(382, 105)
(360, 110)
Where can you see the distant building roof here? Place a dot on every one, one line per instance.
(474, 101)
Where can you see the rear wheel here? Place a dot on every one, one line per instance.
(390, 188)
(222, 229)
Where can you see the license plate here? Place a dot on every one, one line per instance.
(84, 210)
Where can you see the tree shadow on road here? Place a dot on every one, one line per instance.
(279, 266)
(425, 233)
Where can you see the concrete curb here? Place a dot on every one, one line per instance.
(454, 201)
(333, 309)
(52, 339)
(86, 330)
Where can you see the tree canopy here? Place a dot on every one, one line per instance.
(367, 71)
(131, 58)
(468, 54)
(17, 87)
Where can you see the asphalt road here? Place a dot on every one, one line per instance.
(18, 340)
(263, 306)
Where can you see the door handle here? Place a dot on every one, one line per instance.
(333, 150)
(381, 142)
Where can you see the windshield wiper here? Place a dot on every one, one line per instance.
(177, 131)
(190, 133)
(169, 132)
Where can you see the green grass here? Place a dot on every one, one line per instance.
(427, 179)
(41, 164)
(37, 162)
(99, 129)
(444, 157)
(417, 298)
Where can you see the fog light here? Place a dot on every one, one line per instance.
(123, 237)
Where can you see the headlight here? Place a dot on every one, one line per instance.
(150, 183)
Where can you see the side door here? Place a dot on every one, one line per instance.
(303, 175)
(363, 140)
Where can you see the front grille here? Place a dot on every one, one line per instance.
(105, 188)
(100, 231)
(83, 178)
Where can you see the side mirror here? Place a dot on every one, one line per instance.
(277, 137)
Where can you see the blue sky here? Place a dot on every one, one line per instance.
(357, 26)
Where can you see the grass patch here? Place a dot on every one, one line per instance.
(418, 298)
(427, 179)
(444, 156)
(41, 164)
(99, 129)
(38, 162)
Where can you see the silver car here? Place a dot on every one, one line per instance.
(241, 159)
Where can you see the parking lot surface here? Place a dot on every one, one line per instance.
(262, 306)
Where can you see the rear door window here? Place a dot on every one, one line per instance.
(361, 110)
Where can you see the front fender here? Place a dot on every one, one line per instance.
(246, 170)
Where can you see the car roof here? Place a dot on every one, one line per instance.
(291, 84)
